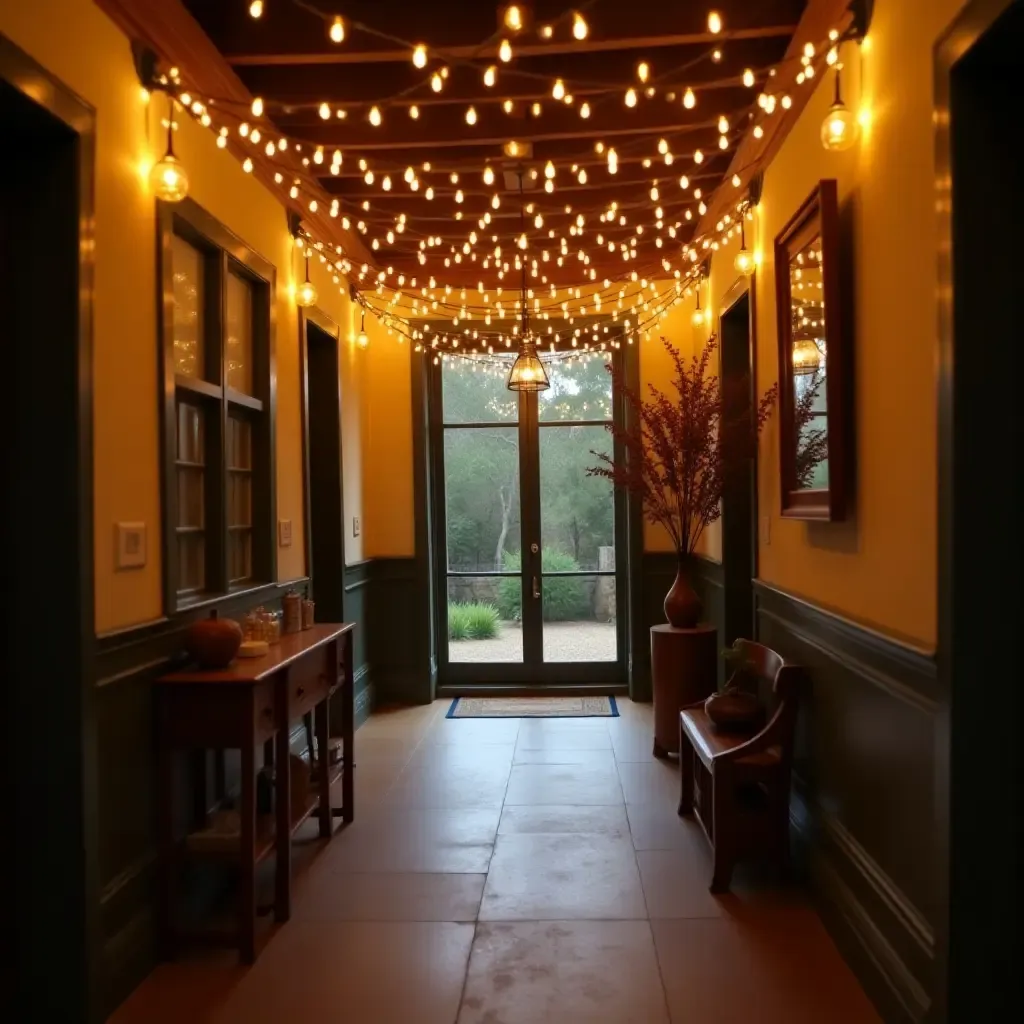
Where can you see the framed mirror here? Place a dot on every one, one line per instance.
(813, 441)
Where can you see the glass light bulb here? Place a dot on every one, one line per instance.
(337, 30)
(839, 129)
(490, 76)
(748, 78)
(419, 56)
(744, 262)
(375, 117)
(362, 340)
(631, 97)
(471, 115)
(558, 89)
(168, 180)
(585, 110)
(306, 295)
(714, 23)
(505, 51)
(689, 100)
(256, 9)
(579, 26)
(643, 71)
(436, 82)
(513, 18)
(325, 111)
(257, 107)
(698, 318)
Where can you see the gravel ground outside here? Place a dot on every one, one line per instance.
(563, 641)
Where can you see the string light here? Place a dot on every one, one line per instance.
(579, 26)
(436, 81)
(419, 56)
(168, 178)
(414, 112)
(558, 89)
(325, 111)
(505, 51)
(471, 115)
(839, 129)
(513, 18)
(748, 78)
(714, 23)
(337, 30)
(375, 118)
(631, 97)
(256, 9)
(490, 76)
(689, 100)
(643, 71)
(257, 107)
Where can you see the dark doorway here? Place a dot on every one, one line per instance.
(326, 543)
(739, 497)
(981, 528)
(46, 670)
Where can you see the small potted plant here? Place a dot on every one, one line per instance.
(679, 449)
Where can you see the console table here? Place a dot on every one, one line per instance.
(253, 702)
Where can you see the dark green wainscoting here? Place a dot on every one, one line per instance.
(863, 794)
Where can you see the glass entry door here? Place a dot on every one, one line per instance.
(527, 545)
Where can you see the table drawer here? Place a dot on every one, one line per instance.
(308, 684)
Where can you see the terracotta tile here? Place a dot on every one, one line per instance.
(190, 989)
(676, 883)
(593, 972)
(473, 730)
(599, 820)
(451, 785)
(602, 758)
(417, 896)
(440, 840)
(556, 733)
(657, 826)
(650, 782)
(377, 973)
(562, 784)
(562, 877)
(783, 963)
(458, 755)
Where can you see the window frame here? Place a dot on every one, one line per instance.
(223, 253)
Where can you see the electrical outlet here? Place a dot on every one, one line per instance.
(356, 526)
(284, 533)
(131, 545)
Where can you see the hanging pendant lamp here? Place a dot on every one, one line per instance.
(528, 372)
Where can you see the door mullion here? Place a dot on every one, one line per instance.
(529, 494)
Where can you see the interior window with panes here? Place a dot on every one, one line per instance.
(217, 367)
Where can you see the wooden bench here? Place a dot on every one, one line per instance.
(737, 784)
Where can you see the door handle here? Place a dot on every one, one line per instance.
(536, 587)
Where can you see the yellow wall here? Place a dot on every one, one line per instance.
(76, 42)
(879, 567)
(387, 426)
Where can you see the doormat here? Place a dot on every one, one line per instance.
(533, 707)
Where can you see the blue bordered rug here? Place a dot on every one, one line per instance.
(533, 707)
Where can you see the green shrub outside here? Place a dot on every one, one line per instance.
(565, 599)
(472, 621)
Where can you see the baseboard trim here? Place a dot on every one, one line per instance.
(838, 866)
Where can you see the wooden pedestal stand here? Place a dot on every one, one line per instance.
(684, 670)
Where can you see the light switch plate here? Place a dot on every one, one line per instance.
(130, 542)
(356, 526)
(284, 533)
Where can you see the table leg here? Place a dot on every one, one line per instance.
(321, 717)
(247, 852)
(282, 802)
(348, 731)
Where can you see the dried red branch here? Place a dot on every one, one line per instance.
(811, 443)
(680, 448)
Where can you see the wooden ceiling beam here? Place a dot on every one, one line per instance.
(330, 135)
(490, 52)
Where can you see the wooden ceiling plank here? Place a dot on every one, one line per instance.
(490, 52)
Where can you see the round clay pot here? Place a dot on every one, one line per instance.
(733, 710)
(682, 605)
(213, 643)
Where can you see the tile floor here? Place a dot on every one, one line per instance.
(517, 872)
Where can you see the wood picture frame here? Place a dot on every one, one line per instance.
(813, 456)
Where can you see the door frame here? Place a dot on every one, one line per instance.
(315, 316)
(738, 592)
(518, 678)
(962, 633)
(65, 927)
